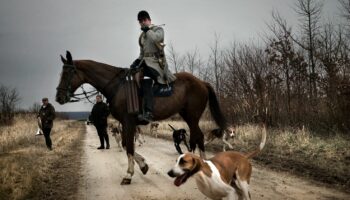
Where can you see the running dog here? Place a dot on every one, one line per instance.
(227, 174)
(179, 136)
(117, 131)
(138, 135)
(224, 135)
(153, 129)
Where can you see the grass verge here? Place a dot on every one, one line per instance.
(29, 171)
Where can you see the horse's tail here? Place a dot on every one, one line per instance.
(172, 127)
(215, 108)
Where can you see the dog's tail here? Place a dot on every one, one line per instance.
(262, 143)
(172, 127)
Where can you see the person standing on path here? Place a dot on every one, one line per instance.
(47, 115)
(99, 116)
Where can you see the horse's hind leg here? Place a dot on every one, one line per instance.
(198, 138)
(185, 142)
(140, 160)
(196, 135)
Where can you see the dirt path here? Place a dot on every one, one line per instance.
(104, 170)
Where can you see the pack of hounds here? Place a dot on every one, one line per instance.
(179, 136)
(226, 175)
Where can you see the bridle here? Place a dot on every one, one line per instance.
(67, 89)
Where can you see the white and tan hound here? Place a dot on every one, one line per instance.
(153, 129)
(117, 133)
(224, 135)
(139, 135)
(227, 174)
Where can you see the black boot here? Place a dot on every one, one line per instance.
(147, 101)
(107, 141)
(102, 142)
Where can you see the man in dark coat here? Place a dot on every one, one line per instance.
(47, 115)
(99, 116)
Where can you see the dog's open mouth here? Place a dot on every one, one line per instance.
(181, 179)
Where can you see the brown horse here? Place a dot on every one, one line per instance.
(189, 99)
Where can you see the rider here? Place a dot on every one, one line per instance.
(151, 63)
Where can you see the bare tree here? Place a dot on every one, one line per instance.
(345, 9)
(175, 59)
(8, 102)
(35, 107)
(217, 62)
(309, 12)
(288, 65)
(193, 61)
(345, 13)
(205, 72)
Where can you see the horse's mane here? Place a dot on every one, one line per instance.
(90, 63)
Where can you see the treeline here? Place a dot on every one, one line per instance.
(296, 77)
(9, 106)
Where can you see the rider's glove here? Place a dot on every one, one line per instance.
(135, 64)
(145, 29)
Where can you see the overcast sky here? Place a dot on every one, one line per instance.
(33, 33)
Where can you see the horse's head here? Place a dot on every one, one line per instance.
(69, 80)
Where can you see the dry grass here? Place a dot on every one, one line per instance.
(324, 159)
(28, 170)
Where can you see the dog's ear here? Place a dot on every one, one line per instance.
(196, 166)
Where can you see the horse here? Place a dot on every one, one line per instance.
(189, 99)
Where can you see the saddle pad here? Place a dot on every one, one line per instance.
(162, 90)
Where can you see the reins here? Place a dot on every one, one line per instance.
(86, 94)
(121, 78)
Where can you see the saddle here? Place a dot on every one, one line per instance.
(134, 92)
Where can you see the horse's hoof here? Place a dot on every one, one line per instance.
(126, 181)
(144, 169)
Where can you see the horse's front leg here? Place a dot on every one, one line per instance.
(129, 129)
(130, 172)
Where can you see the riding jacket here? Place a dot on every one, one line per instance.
(47, 115)
(152, 53)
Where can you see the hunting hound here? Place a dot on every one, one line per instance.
(179, 135)
(153, 129)
(117, 131)
(227, 174)
(224, 135)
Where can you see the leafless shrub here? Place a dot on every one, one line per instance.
(9, 98)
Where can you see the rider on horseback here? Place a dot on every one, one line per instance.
(151, 64)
